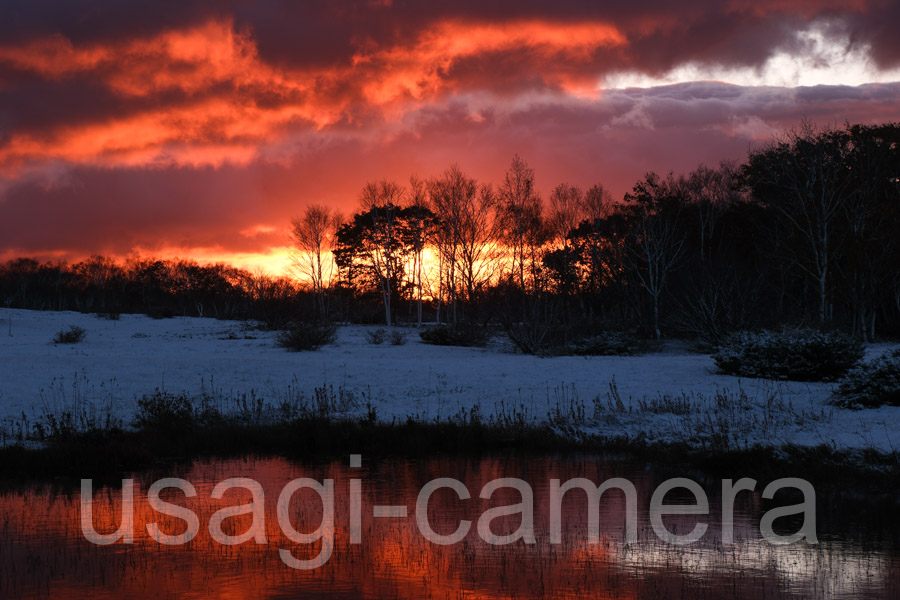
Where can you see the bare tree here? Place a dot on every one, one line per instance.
(655, 244)
(466, 235)
(478, 248)
(521, 219)
(804, 178)
(713, 299)
(711, 191)
(567, 210)
(311, 237)
(451, 194)
(597, 203)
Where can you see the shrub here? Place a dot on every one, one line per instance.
(111, 315)
(164, 410)
(163, 312)
(461, 335)
(72, 335)
(398, 338)
(376, 336)
(307, 335)
(800, 355)
(533, 337)
(872, 384)
(618, 343)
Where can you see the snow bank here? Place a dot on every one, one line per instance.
(121, 360)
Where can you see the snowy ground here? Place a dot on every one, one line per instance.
(120, 361)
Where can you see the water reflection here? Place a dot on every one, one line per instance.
(43, 552)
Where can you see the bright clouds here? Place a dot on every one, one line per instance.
(158, 125)
(222, 102)
(825, 59)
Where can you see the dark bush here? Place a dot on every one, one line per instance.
(398, 338)
(163, 312)
(72, 335)
(307, 335)
(872, 384)
(608, 343)
(376, 336)
(534, 337)
(799, 355)
(461, 335)
(166, 411)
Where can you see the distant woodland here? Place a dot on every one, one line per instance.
(804, 232)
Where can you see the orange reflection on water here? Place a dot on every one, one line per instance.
(44, 554)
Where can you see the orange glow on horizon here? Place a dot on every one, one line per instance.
(274, 261)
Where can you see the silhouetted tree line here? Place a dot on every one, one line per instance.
(805, 232)
(160, 288)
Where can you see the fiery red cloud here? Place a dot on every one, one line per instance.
(200, 128)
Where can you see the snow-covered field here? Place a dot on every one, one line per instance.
(120, 361)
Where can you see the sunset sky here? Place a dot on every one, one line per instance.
(198, 129)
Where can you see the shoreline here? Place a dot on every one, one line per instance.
(108, 455)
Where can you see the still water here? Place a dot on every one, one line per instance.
(45, 554)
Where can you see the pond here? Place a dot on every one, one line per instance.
(376, 534)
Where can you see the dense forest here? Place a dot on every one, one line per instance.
(805, 232)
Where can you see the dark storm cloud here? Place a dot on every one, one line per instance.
(661, 33)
